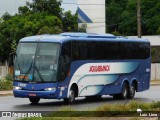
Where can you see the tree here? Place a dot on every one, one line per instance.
(82, 28)
(23, 10)
(114, 9)
(121, 16)
(70, 22)
(49, 30)
(128, 23)
(6, 16)
(50, 6)
(19, 26)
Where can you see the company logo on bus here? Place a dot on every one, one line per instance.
(104, 68)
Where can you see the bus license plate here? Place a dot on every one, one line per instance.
(32, 94)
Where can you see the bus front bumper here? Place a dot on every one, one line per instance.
(38, 94)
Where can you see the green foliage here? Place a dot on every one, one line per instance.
(5, 85)
(6, 16)
(21, 26)
(82, 28)
(107, 110)
(134, 105)
(45, 30)
(50, 6)
(116, 33)
(121, 110)
(155, 105)
(13, 45)
(153, 52)
(121, 16)
(9, 77)
(23, 10)
(49, 30)
(70, 22)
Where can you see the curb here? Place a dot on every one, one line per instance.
(3, 93)
(155, 84)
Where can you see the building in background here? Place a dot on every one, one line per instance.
(92, 13)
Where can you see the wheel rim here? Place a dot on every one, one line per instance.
(132, 91)
(125, 92)
(71, 95)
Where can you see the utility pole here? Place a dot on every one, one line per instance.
(139, 19)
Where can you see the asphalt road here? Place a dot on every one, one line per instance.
(9, 103)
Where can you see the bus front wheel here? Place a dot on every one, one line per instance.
(71, 98)
(34, 100)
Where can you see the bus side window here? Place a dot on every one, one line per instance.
(64, 61)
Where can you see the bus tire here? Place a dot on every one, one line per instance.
(124, 92)
(34, 100)
(132, 91)
(71, 98)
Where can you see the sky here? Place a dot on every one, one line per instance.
(11, 6)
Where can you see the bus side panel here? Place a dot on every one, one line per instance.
(144, 75)
(92, 79)
(63, 87)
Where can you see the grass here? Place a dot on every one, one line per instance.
(5, 85)
(106, 111)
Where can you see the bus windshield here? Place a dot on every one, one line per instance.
(36, 62)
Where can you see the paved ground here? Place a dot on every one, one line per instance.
(9, 103)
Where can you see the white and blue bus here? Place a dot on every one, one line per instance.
(71, 65)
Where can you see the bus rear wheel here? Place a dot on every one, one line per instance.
(124, 92)
(34, 100)
(132, 91)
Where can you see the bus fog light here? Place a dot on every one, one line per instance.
(49, 89)
(17, 88)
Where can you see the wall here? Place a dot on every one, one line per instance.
(92, 13)
(3, 71)
(155, 71)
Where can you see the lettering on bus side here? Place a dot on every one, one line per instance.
(104, 68)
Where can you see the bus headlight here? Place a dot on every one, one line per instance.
(50, 89)
(17, 88)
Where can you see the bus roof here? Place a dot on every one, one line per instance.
(60, 38)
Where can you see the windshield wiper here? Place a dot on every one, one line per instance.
(28, 70)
